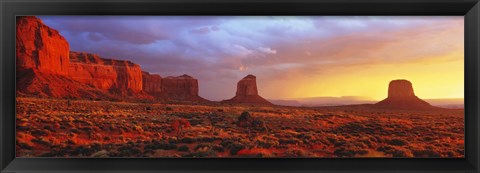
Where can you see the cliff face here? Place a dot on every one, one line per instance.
(181, 88)
(105, 74)
(152, 83)
(247, 92)
(39, 47)
(247, 86)
(402, 96)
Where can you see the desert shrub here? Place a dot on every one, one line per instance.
(161, 145)
(218, 148)
(401, 152)
(95, 146)
(39, 132)
(428, 138)
(343, 152)
(425, 153)
(169, 108)
(255, 152)
(202, 147)
(366, 141)
(385, 148)
(245, 119)
(339, 143)
(148, 108)
(173, 140)
(195, 122)
(41, 141)
(397, 142)
(83, 151)
(206, 139)
(23, 128)
(235, 147)
(183, 148)
(187, 140)
(226, 142)
(47, 127)
(125, 151)
(305, 136)
(289, 141)
(449, 154)
(296, 152)
(395, 151)
(351, 150)
(24, 145)
(267, 142)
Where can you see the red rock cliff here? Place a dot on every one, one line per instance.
(106, 74)
(401, 96)
(152, 83)
(181, 88)
(39, 47)
(247, 92)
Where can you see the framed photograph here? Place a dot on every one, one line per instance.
(239, 86)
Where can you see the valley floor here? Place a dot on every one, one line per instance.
(81, 128)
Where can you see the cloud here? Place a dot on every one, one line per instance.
(267, 50)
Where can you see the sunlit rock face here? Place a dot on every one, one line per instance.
(40, 47)
(114, 75)
(400, 89)
(402, 96)
(152, 83)
(247, 93)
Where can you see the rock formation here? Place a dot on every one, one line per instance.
(401, 96)
(47, 68)
(39, 47)
(152, 83)
(106, 74)
(247, 92)
(181, 88)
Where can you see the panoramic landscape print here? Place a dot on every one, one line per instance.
(240, 86)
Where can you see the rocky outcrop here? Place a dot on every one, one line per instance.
(181, 88)
(117, 76)
(402, 96)
(46, 68)
(152, 83)
(40, 48)
(247, 93)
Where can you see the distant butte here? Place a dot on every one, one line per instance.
(181, 88)
(402, 96)
(247, 92)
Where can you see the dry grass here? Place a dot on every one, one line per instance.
(52, 128)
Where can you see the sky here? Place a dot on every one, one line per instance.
(292, 56)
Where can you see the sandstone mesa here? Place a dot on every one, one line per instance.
(401, 96)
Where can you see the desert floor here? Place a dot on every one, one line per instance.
(83, 128)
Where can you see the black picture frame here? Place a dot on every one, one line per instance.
(11, 8)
